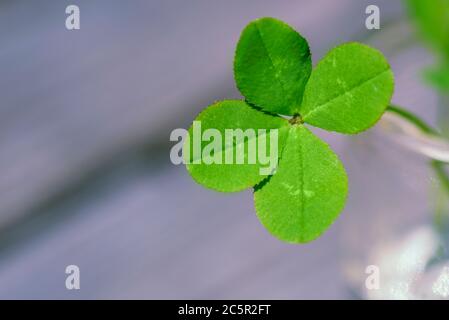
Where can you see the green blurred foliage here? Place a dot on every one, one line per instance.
(431, 18)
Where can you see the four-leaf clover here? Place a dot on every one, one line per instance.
(346, 92)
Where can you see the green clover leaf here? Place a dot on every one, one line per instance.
(349, 89)
(231, 114)
(271, 66)
(347, 92)
(307, 192)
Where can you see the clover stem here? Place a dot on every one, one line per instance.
(415, 134)
(296, 119)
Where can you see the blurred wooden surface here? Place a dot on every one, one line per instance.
(85, 179)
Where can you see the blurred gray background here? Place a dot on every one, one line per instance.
(85, 173)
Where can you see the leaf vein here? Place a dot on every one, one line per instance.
(301, 187)
(275, 68)
(237, 144)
